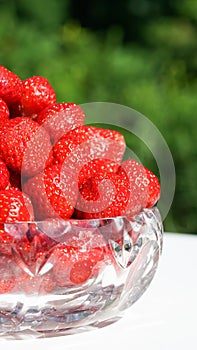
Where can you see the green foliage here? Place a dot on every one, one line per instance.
(187, 8)
(156, 78)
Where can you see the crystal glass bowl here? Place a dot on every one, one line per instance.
(62, 277)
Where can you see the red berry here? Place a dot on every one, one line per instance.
(10, 233)
(86, 239)
(5, 241)
(75, 260)
(144, 186)
(85, 143)
(153, 188)
(34, 253)
(94, 167)
(60, 118)
(44, 241)
(112, 229)
(81, 271)
(138, 185)
(27, 250)
(4, 175)
(10, 86)
(103, 195)
(7, 276)
(14, 206)
(37, 94)
(134, 189)
(4, 111)
(34, 284)
(53, 193)
(24, 145)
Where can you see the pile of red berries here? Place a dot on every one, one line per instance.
(53, 166)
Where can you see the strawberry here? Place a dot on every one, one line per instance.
(112, 229)
(28, 251)
(60, 118)
(14, 206)
(4, 111)
(34, 247)
(95, 166)
(12, 232)
(66, 259)
(85, 143)
(103, 195)
(81, 271)
(86, 239)
(5, 241)
(144, 186)
(135, 188)
(24, 145)
(138, 185)
(7, 277)
(30, 284)
(37, 94)
(62, 259)
(44, 240)
(53, 193)
(153, 188)
(4, 175)
(10, 86)
(75, 264)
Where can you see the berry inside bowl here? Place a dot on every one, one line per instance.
(60, 277)
(80, 236)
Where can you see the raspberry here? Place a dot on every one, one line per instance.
(60, 118)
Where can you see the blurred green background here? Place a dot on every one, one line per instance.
(139, 53)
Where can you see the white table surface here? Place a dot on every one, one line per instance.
(165, 317)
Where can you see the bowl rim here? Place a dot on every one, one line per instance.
(73, 220)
